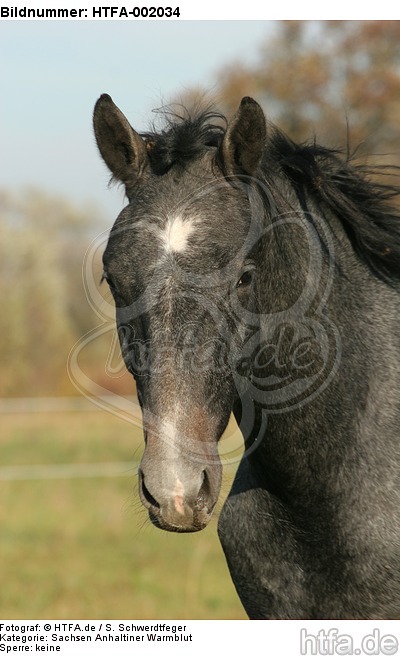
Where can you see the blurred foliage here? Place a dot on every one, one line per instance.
(329, 79)
(44, 310)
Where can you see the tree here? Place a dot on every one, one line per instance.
(325, 78)
(44, 309)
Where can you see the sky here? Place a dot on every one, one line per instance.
(51, 74)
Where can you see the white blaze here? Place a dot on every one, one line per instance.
(176, 233)
(178, 497)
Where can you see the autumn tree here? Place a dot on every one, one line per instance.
(330, 79)
(44, 310)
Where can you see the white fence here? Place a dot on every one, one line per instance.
(52, 404)
(73, 470)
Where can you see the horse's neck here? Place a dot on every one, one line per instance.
(321, 411)
(324, 390)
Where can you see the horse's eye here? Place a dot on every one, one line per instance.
(116, 294)
(108, 280)
(245, 279)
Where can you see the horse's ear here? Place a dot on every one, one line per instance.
(244, 140)
(122, 149)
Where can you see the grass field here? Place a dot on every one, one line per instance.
(81, 546)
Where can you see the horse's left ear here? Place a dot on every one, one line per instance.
(244, 140)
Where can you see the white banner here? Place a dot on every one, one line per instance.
(181, 10)
(148, 637)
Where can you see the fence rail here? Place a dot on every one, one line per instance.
(60, 471)
(53, 404)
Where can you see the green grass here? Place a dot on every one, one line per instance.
(83, 547)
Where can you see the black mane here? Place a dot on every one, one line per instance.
(365, 207)
(184, 137)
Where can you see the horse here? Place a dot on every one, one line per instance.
(257, 276)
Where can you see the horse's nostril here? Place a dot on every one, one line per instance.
(149, 497)
(204, 492)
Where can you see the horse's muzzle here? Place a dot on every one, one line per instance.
(184, 506)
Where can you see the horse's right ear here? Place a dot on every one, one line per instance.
(122, 149)
(244, 141)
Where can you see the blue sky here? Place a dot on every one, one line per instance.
(51, 74)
